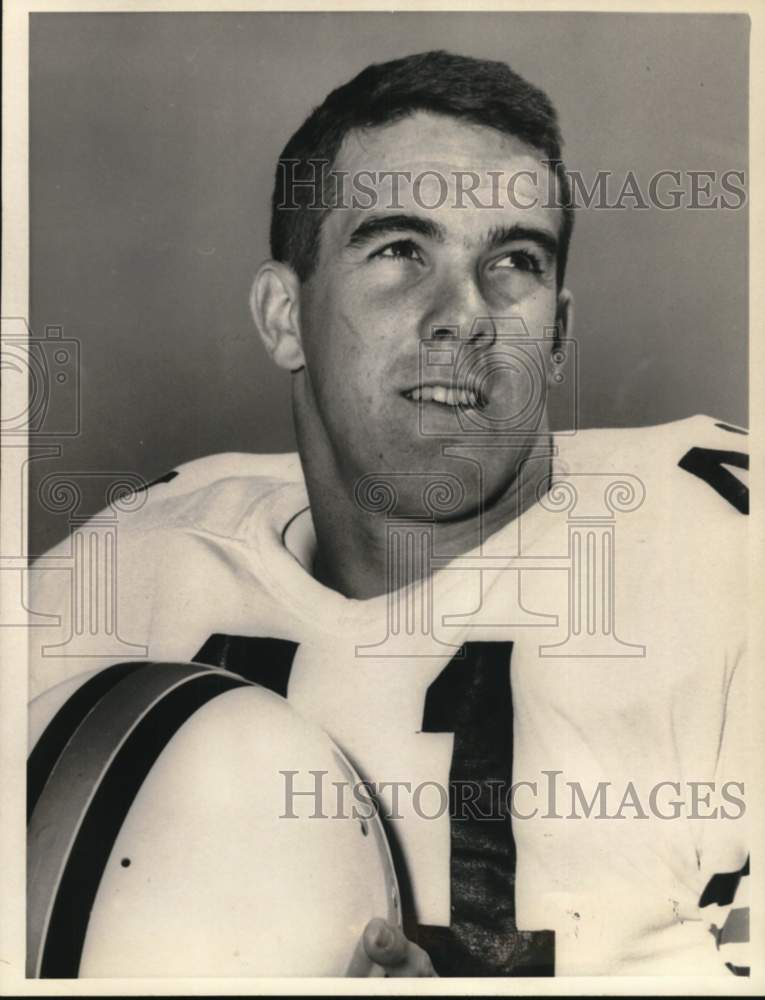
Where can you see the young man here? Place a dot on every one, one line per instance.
(435, 581)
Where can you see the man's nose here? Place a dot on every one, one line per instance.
(460, 312)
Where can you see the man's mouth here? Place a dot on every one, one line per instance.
(458, 397)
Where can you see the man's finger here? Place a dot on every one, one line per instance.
(384, 943)
(388, 947)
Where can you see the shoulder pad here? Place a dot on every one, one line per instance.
(203, 472)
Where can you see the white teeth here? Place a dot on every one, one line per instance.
(445, 395)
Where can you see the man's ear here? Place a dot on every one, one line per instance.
(275, 306)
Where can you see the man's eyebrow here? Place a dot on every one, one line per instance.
(500, 235)
(380, 225)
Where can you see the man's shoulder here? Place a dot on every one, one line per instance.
(215, 471)
(700, 461)
(215, 495)
(675, 496)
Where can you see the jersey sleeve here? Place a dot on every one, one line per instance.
(90, 602)
(137, 580)
(717, 461)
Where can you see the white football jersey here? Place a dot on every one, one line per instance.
(554, 724)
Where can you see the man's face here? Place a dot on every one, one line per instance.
(397, 278)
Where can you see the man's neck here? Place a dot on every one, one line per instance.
(354, 547)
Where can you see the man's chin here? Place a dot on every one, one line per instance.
(422, 483)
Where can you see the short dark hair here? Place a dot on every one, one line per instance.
(479, 91)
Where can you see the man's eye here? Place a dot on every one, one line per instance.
(521, 260)
(400, 250)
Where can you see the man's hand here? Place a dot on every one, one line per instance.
(386, 946)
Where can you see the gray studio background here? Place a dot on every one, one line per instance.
(153, 140)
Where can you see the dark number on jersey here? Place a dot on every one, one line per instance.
(471, 699)
(709, 464)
